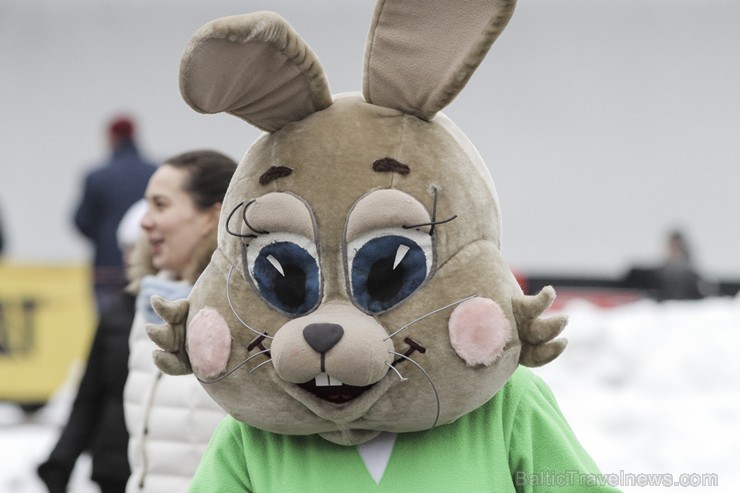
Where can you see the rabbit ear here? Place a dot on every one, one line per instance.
(253, 66)
(420, 54)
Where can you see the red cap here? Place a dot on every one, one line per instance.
(122, 128)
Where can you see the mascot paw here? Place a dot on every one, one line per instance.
(172, 358)
(537, 335)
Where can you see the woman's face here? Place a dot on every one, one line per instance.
(173, 223)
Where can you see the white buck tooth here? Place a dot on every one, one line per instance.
(324, 380)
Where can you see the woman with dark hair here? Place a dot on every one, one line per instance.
(170, 419)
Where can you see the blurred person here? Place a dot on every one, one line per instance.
(170, 419)
(677, 277)
(108, 192)
(2, 237)
(129, 226)
(96, 422)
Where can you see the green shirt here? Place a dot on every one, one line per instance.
(517, 442)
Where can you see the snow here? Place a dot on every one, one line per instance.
(649, 388)
(26, 440)
(652, 388)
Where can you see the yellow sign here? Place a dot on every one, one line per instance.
(47, 319)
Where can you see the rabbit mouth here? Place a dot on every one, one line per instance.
(330, 389)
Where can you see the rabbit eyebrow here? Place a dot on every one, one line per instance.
(273, 173)
(244, 218)
(390, 164)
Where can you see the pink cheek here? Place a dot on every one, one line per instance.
(208, 343)
(479, 330)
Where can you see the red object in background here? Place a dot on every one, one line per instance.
(603, 298)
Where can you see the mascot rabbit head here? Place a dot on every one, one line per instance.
(358, 284)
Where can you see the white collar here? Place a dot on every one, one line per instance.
(376, 453)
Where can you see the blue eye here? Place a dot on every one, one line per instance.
(286, 274)
(385, 269)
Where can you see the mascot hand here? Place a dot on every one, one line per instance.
(172, 358)
(539, 345)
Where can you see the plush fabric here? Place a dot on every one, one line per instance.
(209, 343)
(359, 267)
(359, 171)
(409, 66)
(274, 48)
(479, 330)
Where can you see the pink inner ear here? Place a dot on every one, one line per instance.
(209, 343)
(479, 330)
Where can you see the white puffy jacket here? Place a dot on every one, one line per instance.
(170, 419)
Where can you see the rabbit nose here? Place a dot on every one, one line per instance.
(322, 337)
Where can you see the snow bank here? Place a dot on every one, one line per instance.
(654, 387)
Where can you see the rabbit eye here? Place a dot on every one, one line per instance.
(285, 270)
(387, 266)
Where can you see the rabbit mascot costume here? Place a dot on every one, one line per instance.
(357, 320)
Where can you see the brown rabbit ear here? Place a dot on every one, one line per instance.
(420, 54)
(253, 66)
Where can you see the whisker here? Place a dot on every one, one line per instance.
(434, 387)
(434, 208)
(429, 314)
(247, 360)
(228, 299)
(260, 365)
(403, 379)
(431, 223)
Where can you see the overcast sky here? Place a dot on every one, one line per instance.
(604, 122)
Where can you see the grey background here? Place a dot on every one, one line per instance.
(604, 122)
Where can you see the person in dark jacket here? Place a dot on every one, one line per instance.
(108, 192)
(2, 238)
(678, 278)
(96, 423)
